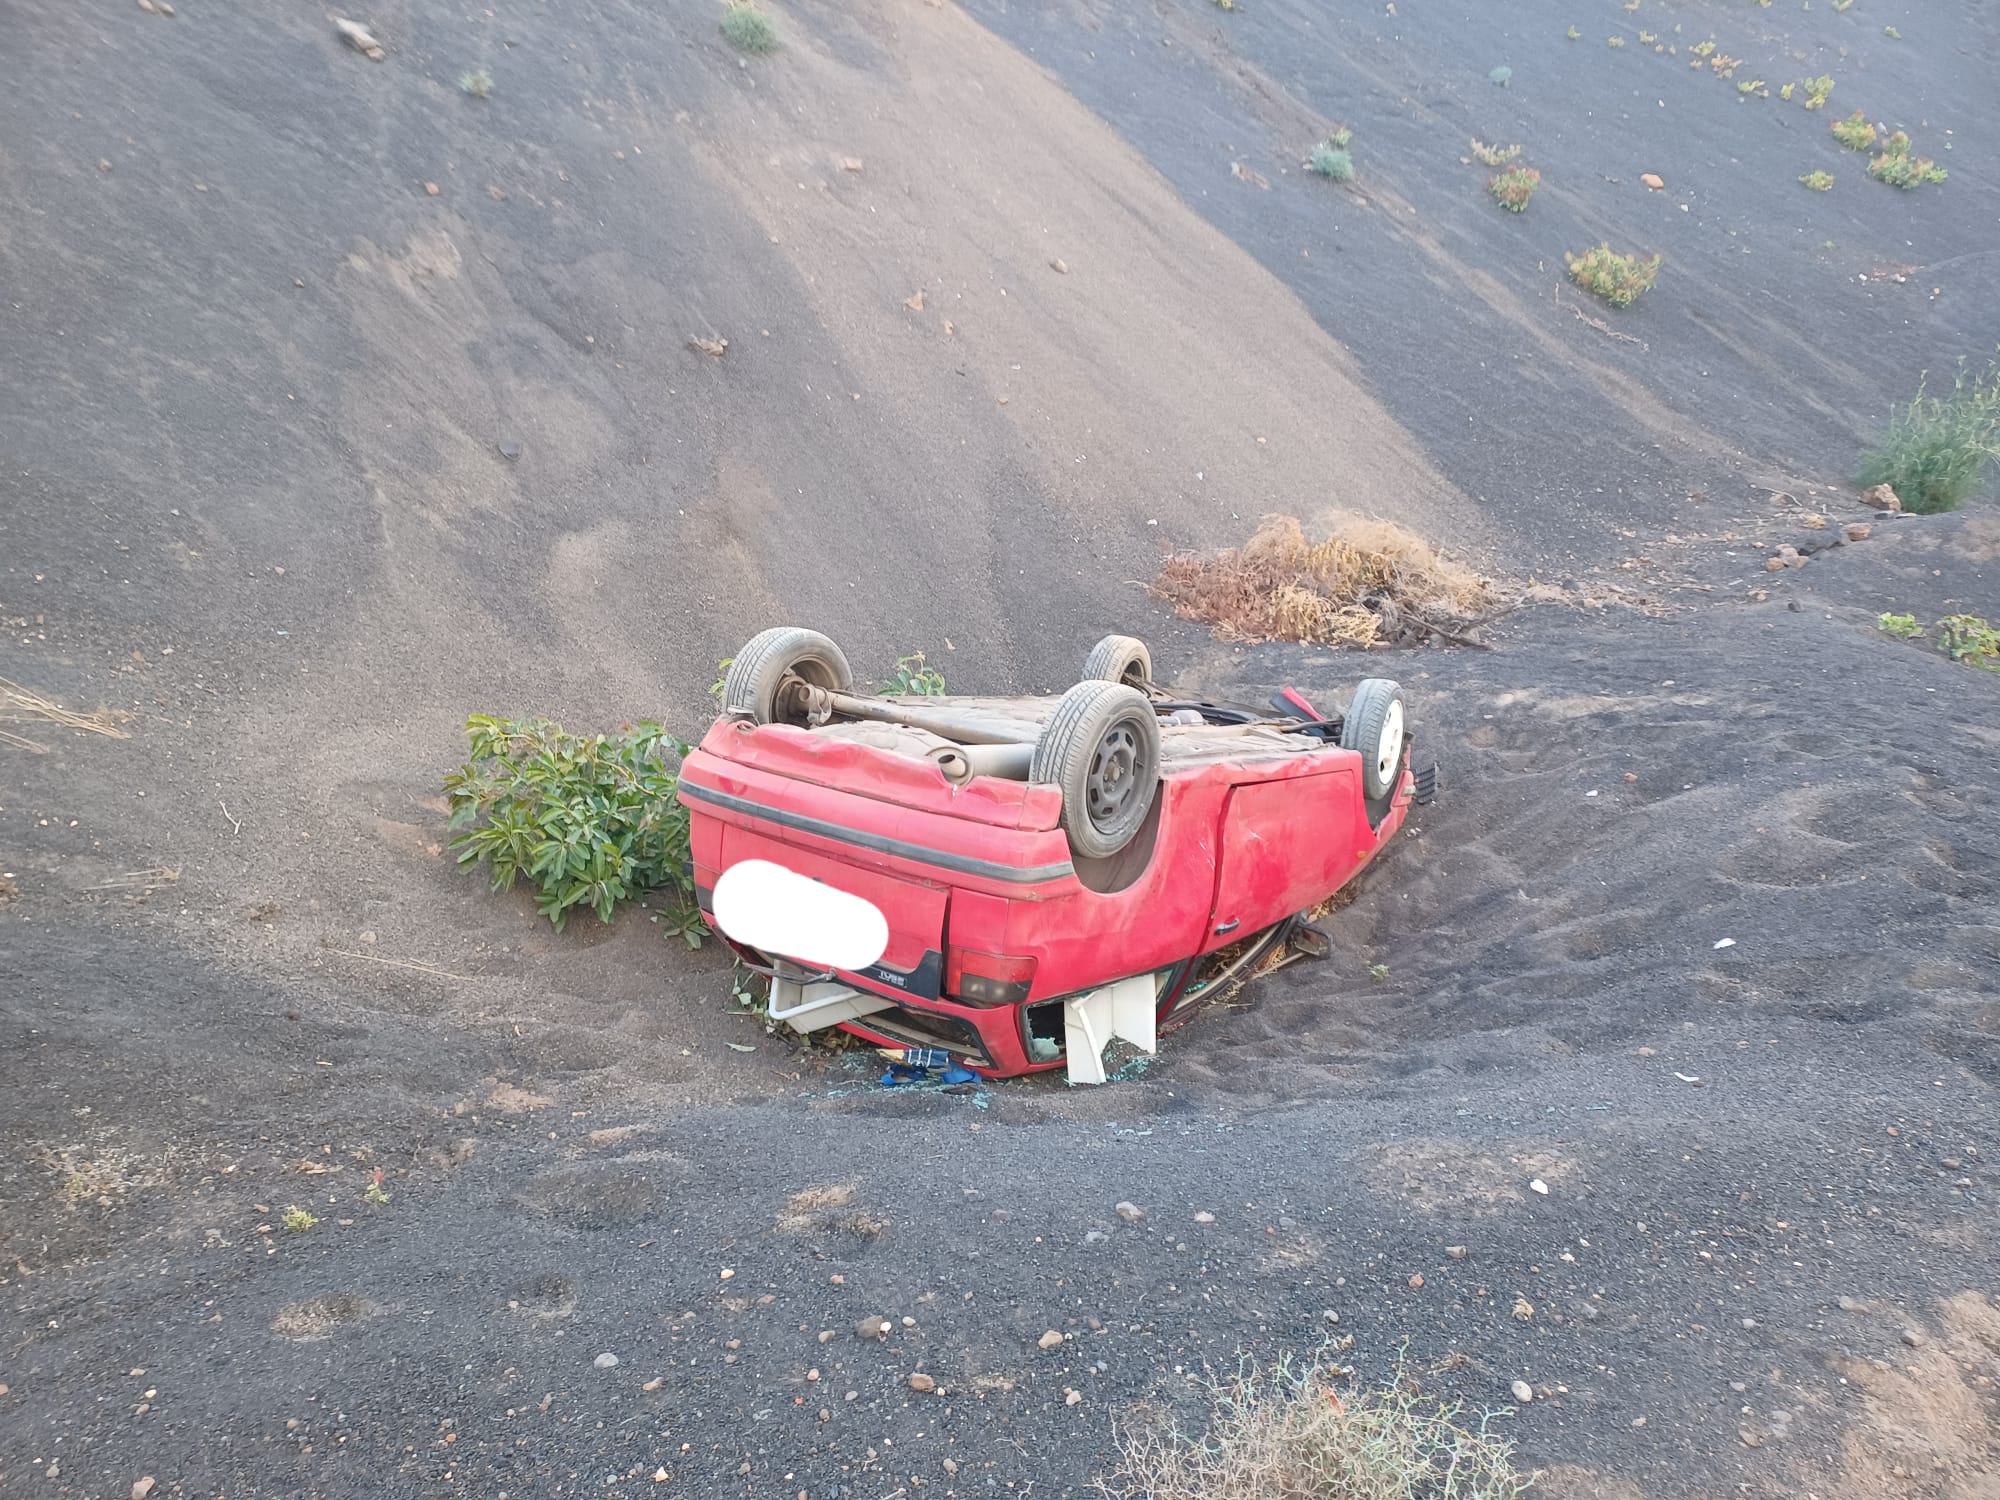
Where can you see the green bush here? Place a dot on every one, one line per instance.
(1331, 162)
(589, 821)
(1819, 181)
(912, 679)
(1854, 132)
(1513, 188)
(1935, 450)
(749, 29)
(1618, 279)
(1964, 638)
(1898, 168)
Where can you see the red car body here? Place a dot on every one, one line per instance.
(982, 896)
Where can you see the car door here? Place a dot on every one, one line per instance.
(1285, 843)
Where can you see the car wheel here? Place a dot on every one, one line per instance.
(1374, 726)
(1119, 658)
(1101, 749)
(762, 681)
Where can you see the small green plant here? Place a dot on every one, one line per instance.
(1854, 132)
(715, 688)
(1819, 180)
(298, 1220)
(748, 29)
(589, 820)
(1618, 279)
(1818, 90)
(1898, 168)
(1513, 188)
(1785, 93)
(1936, 449)
(1702, 49)
(375, 1192)
(1493, 156)
(1341, 138)
(478, 83)
(1226, 5)
(1892, 33)
(1969, 639)
(1646, 38)
(1573, 34)
(1501, 76)
(1332, 162)
(1751, 86)
(912, 679)
(1840, 5)
(1378, 972)
(1903, 627)
(1614, 41)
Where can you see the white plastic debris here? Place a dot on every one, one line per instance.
(1538, 1186)
(1725, 942)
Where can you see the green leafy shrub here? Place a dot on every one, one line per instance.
(1513, 188)
(1818, 181)
(1818, 90)
(1618, 279)
(1898, 168)
(1935, 449)
(1331, 162)
(912, 679)
(478, 83)
(1854, 132)
(748, 29)
(589, 820)
(1493, 156)
(297, 1220)
(1501, 76)
(1964, 638)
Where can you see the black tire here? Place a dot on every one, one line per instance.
(1119, 658)
(1377, 726)
(754, 687)
(1101, 748)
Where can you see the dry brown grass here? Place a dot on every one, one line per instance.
(17, 702)
(1298, 1432)
(1367, 582)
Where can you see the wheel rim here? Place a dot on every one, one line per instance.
(1113, 781)
(788, 706)
(1389, 745)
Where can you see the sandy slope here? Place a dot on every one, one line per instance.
(300, 490)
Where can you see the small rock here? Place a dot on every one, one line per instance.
(1953, 1162)
(1738, 1386)
(142, 1487)
(1856, 531)
(104, 164)
(1071, 1397)
(922, 1382)
(1417, 1282)
(1638, 1421)
(654, 1384)
(1750, 1437)
(1652, 180)
(1131, 1213)
(1523, 1392)
(1059, 266)
(1330, 1316)
(1853, 1305)
(357, 36)
(1523, 1309)
(702, 344)
(431, 190)
(909, 1322)
(1456, 1252)
(951, 1466)
(606, 1360)
(872, 1328)
(826, 1335)
(1749, 1322)
(1913, 1338)
(1204, 1217)
(660, 1475)
(1774, 565)
(727, 1274)
(1049, 1340)
(1538, 1186)
(1881, 497)
(915, 301)
(850, 164)
(53, 1471)
(510, 450)
(1095, 1237)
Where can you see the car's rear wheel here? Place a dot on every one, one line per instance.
(1376, 727)
(764, 678)
(1101, 749)
(1119, 658)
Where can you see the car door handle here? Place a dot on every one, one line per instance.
(1228, 927)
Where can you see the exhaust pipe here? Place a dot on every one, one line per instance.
(960, 763)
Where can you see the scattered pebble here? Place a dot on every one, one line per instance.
(1331, 1316)
(1131, 1213)
(922, 1382)
(1095, 1237)
(1456, 1252)
(1523, 1309)
(1913, 1338)
(654, 1384)
(1050, 1339)
(1071, 1396)
(142, 1487)
(872, 1327)
(1523, 1392)
(1538, 1186)
(1652, 180)
(826, 1335)
(358, 37)
(1417, 1282)
(1204, 1217)
(1058, 265)
(606, 1360)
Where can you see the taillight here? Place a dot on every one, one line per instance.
(975, 978)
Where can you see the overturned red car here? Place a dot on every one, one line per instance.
(1019, 881)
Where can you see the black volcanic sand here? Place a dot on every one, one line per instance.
(1766, 1161)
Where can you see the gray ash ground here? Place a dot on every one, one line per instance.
(1765, 1257)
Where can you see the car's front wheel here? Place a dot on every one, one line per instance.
(1376, 727)
(1101, 749)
